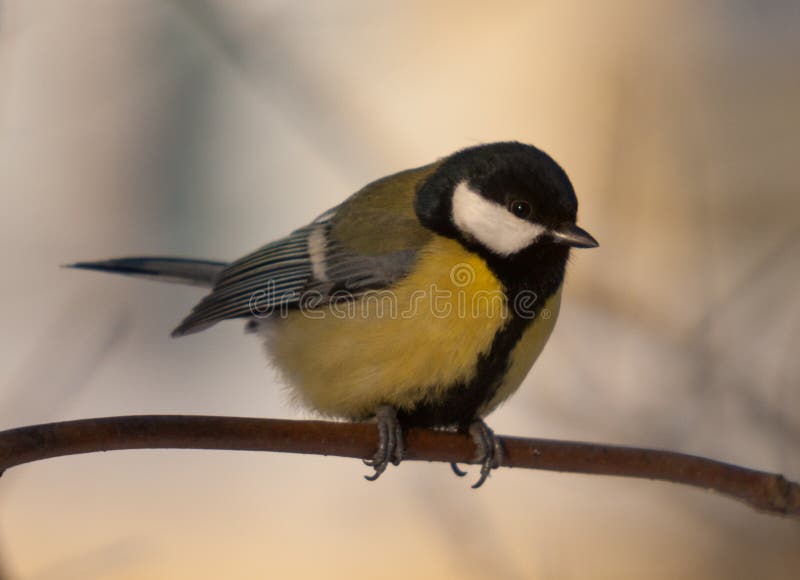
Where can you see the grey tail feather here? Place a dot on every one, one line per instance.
(175, 270)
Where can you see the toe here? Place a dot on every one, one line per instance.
(488, 451)
(390, 442)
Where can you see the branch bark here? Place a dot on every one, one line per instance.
(768, 492)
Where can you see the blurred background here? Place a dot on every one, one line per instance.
(206, 128)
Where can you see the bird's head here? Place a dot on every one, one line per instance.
(510, 202)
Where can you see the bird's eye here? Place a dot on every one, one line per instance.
(521, 209)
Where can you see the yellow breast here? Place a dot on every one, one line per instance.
(397, 346)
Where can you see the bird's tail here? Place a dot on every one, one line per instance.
(174, 270)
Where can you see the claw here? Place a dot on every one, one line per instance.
(457, 470)
(391, 447)
(489, 453)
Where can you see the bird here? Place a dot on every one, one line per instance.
(422, 300)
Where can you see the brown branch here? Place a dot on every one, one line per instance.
(764, 491)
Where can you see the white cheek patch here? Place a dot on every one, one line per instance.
(491, 223)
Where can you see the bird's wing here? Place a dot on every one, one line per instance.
(367, 242)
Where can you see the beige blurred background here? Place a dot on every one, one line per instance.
(205, 129)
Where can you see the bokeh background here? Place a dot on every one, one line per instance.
(205, 129)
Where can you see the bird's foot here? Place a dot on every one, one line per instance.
(489, 453)
(391, 447)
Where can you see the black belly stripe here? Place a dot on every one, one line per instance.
(460, 404)
(538, 271)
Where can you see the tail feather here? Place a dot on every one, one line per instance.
(175, 270)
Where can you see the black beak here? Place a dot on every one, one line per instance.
(572, 235)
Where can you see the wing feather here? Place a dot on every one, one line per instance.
(278, 274)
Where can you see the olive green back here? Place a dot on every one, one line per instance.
(380, 218)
